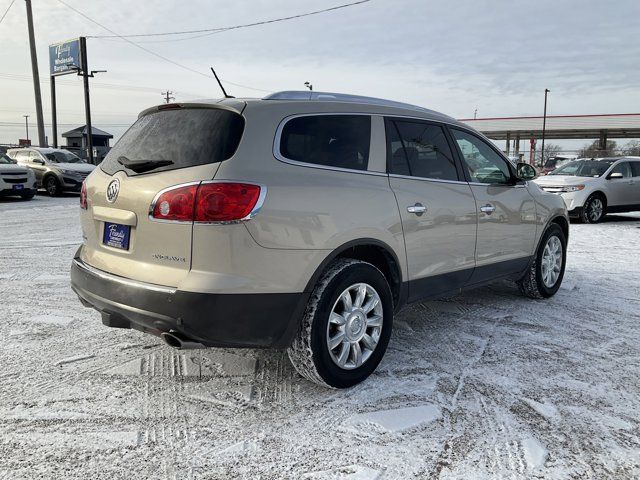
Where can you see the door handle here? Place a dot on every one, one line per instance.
(418, 209)
(488, 209)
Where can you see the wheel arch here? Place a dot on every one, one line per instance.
(599, 193)
(373, 251)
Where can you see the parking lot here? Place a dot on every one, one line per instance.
(487, 384)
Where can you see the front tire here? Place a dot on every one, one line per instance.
(594, 210)
(52, 186)
(544, 276)
(346, 326)
(28, 196)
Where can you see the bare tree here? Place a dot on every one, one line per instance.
(593, 150)
(550, 151)
(631, 148)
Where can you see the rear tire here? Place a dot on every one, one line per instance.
(595, 208)
(541, 280)
(52, 186)
(338, 346)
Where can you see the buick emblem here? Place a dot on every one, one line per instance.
(112, 190)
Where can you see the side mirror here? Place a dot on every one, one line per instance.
(615, 175)
(38, 161)
(524, 171)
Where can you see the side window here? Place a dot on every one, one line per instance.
(419, 149)
(635, 169)
(624, 168)
(482, 162)
(331, 140)
(34, 156)
(22, 155)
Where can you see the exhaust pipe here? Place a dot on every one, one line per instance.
(176, 340)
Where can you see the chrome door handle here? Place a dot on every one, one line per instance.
(418, 209)
(488, 209)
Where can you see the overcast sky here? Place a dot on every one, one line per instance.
(454, 56)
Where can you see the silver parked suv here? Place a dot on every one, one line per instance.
(304, 220)
(593, 187)
(56, 170)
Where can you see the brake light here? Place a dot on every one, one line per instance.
(176, 204)
(207, 202)
(83, 196)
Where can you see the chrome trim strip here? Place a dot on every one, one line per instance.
(256, 209)
(124, 281)
(426, 179)
(283, 159)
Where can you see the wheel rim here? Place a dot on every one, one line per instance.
(551, 261)
(595, 209)
(52, 187)
(355, 326)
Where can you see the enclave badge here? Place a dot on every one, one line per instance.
(112, 190)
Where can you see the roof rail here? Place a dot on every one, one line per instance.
(341, 97)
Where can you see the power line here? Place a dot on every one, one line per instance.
(151, 52)
(108, 86)
(7, 10)
(235, 27)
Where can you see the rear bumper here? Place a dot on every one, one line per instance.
(216, 320)
(11, 191)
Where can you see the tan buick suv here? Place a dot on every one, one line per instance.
(303, 221)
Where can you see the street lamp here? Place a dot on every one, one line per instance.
(308, 85)
(26, 124)
(544, 125)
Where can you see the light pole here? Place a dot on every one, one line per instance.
(308, 85)
(26, 124)
(544, 125)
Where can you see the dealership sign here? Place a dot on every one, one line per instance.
(64, 57)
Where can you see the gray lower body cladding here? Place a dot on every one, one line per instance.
(215, 320)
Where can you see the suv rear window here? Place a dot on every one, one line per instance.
(185, 137)
(340, 141)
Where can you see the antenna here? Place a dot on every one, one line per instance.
(220, 83)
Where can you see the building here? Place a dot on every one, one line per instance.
(77, 142)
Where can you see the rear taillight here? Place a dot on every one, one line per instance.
(207, 202)
(83, 196)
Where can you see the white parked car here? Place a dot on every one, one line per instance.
(16, 180)
(591, 188)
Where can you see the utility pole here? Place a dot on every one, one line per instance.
(36, 76)
(87, 103)
(26, 124)
(544, 125)
(167, 96)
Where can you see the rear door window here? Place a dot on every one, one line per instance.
(176, 138)
(419, 149)
(635, 169)
(340, 141)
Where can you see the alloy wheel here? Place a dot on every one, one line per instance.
(551, 262)
(595, 209)
(355, 326)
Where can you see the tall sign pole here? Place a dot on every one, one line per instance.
(544, 126)
(36, 76)
(84, 66)
(54, 114)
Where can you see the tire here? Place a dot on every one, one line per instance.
(28, 196)
(310, 351)
(533, 283)
(52, 186)
(594, 210)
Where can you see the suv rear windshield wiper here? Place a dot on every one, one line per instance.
(140, 166)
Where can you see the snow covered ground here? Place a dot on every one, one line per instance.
(481, 386)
